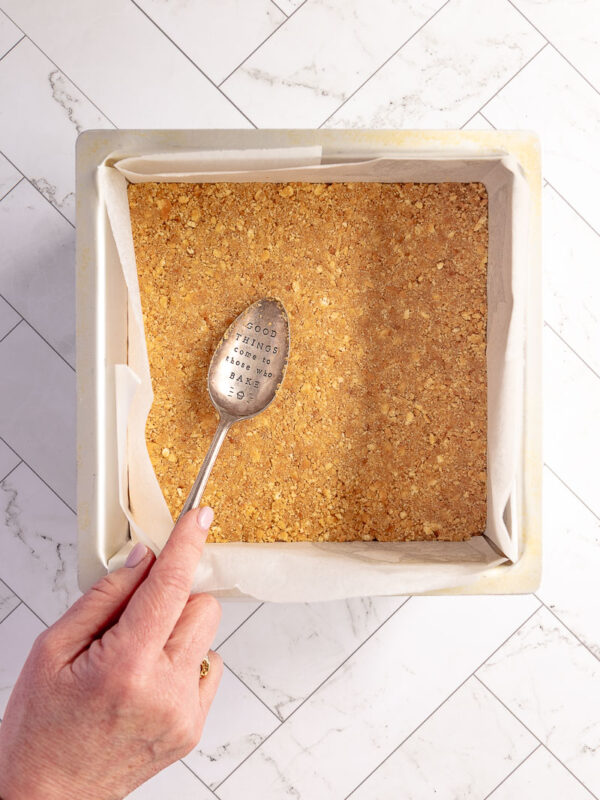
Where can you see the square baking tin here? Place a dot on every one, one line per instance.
(102, 319)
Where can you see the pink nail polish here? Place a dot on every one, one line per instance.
(205, 518)
(136, 555)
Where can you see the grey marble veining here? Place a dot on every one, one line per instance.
(37, 544)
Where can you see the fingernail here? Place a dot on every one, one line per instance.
(205, 518)
(136, 555)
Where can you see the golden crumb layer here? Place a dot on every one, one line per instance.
(379, 429)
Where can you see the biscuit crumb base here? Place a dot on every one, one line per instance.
(379, 429)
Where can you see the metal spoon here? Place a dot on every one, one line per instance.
(245, 372)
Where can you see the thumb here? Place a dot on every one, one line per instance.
(102, 605)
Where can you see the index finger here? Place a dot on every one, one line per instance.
(154, 609)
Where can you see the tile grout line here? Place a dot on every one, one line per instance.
(512, 772)
(21, 179)
(574, 635)
(280, 9)
(572, 207)
(206, 786)
(473, 117)
(9, 473)
(26, 36)
(575, 353)
(10, 49)
(504, 85)
(243, 622)
(566, 485)
(535, 27)
(33, 186)
(235, 675)
(587, 788)
(260, 44)
(279, 719)
(554, 47)
(546, 606)
(28, 465)
(8, 333)
(534, 735)
(487, 120)
(573, 67)
(316, 689)
(545, 180)
(12, 611)
(241, 680)
(200, 70)
(27, 606)
(26, 321)
(572, 349)
(381, 66)
(445, 700)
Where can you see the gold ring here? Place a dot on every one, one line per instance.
(204, 667)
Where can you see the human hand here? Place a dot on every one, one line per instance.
(111, 693)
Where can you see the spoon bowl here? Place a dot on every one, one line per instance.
(245, 372)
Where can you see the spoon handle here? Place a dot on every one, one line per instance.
(197, 490)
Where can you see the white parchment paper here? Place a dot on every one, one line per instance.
(307, 571)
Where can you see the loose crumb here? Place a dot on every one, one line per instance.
(379, 429)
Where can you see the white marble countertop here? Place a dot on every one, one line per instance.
(452, 698)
